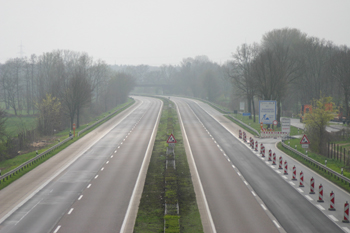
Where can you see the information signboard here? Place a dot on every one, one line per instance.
(285, 122)
(267, 111)
(241, 106)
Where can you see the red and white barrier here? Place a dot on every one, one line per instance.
(261, 146)
(274, 159)
(346, 213)
(270, 154)
(252, 143)
(280, 163)
(285, 167)
(312, 186)
(332, 202)
(301, 182)
(263, 151)
(256, 145)
(294, 176)
(244, 137)
(320, 195)
(240, 133)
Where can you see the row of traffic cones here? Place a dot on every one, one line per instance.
(272, 157)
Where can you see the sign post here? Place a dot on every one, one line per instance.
(285, 122)
(267, 111)
(241, 106)
(171, 139)
(304, 142)
(74, 129)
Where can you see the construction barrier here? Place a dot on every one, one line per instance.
(240, 134)
(346, 213)
(263, 151)
(261, 146)
(285, 167)
(244, 137)
(320, 195)
(280, 163)
(256, 145)
(294, 176)
(331, 207)
(312, 186)
(301, 182)
(270, 154)
(274, 159)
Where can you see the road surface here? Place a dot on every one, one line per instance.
(290, 209)
(99, 189)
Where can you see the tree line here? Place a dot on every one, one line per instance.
(292, 68)
(59, 88)
(287, 66)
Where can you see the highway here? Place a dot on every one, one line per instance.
(95, 184)
(282, 202)
(99, 188)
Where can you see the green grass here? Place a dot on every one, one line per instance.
(10, 164)
(333, 164)
(150, 217)
(14, 124)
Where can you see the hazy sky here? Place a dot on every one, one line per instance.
(156, 32)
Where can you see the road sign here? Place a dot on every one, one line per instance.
(275, 122)
(267, 111)
(246, 114)
(285, 122)
(241, 106)
(171, 139)
(304, 140)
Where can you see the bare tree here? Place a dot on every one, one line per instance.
(241, 72)
(340, 70)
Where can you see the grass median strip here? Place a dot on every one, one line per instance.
(150, 217)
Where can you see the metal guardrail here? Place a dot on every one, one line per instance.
(39, 156)
(241, 122)
(102, 119)
(320, 165)
(33, 160)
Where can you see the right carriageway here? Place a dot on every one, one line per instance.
(289, 206)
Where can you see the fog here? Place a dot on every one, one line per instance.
(160, 32)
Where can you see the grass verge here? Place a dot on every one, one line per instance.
(10, 164)
(150, 216)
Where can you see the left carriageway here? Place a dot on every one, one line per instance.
(94, 185)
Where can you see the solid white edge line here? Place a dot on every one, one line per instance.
(81, 196)
(275, 222)
(196, 173)
(263, 206)
(233, 136)
(64, 168)
(132, 199)
(346, 229)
